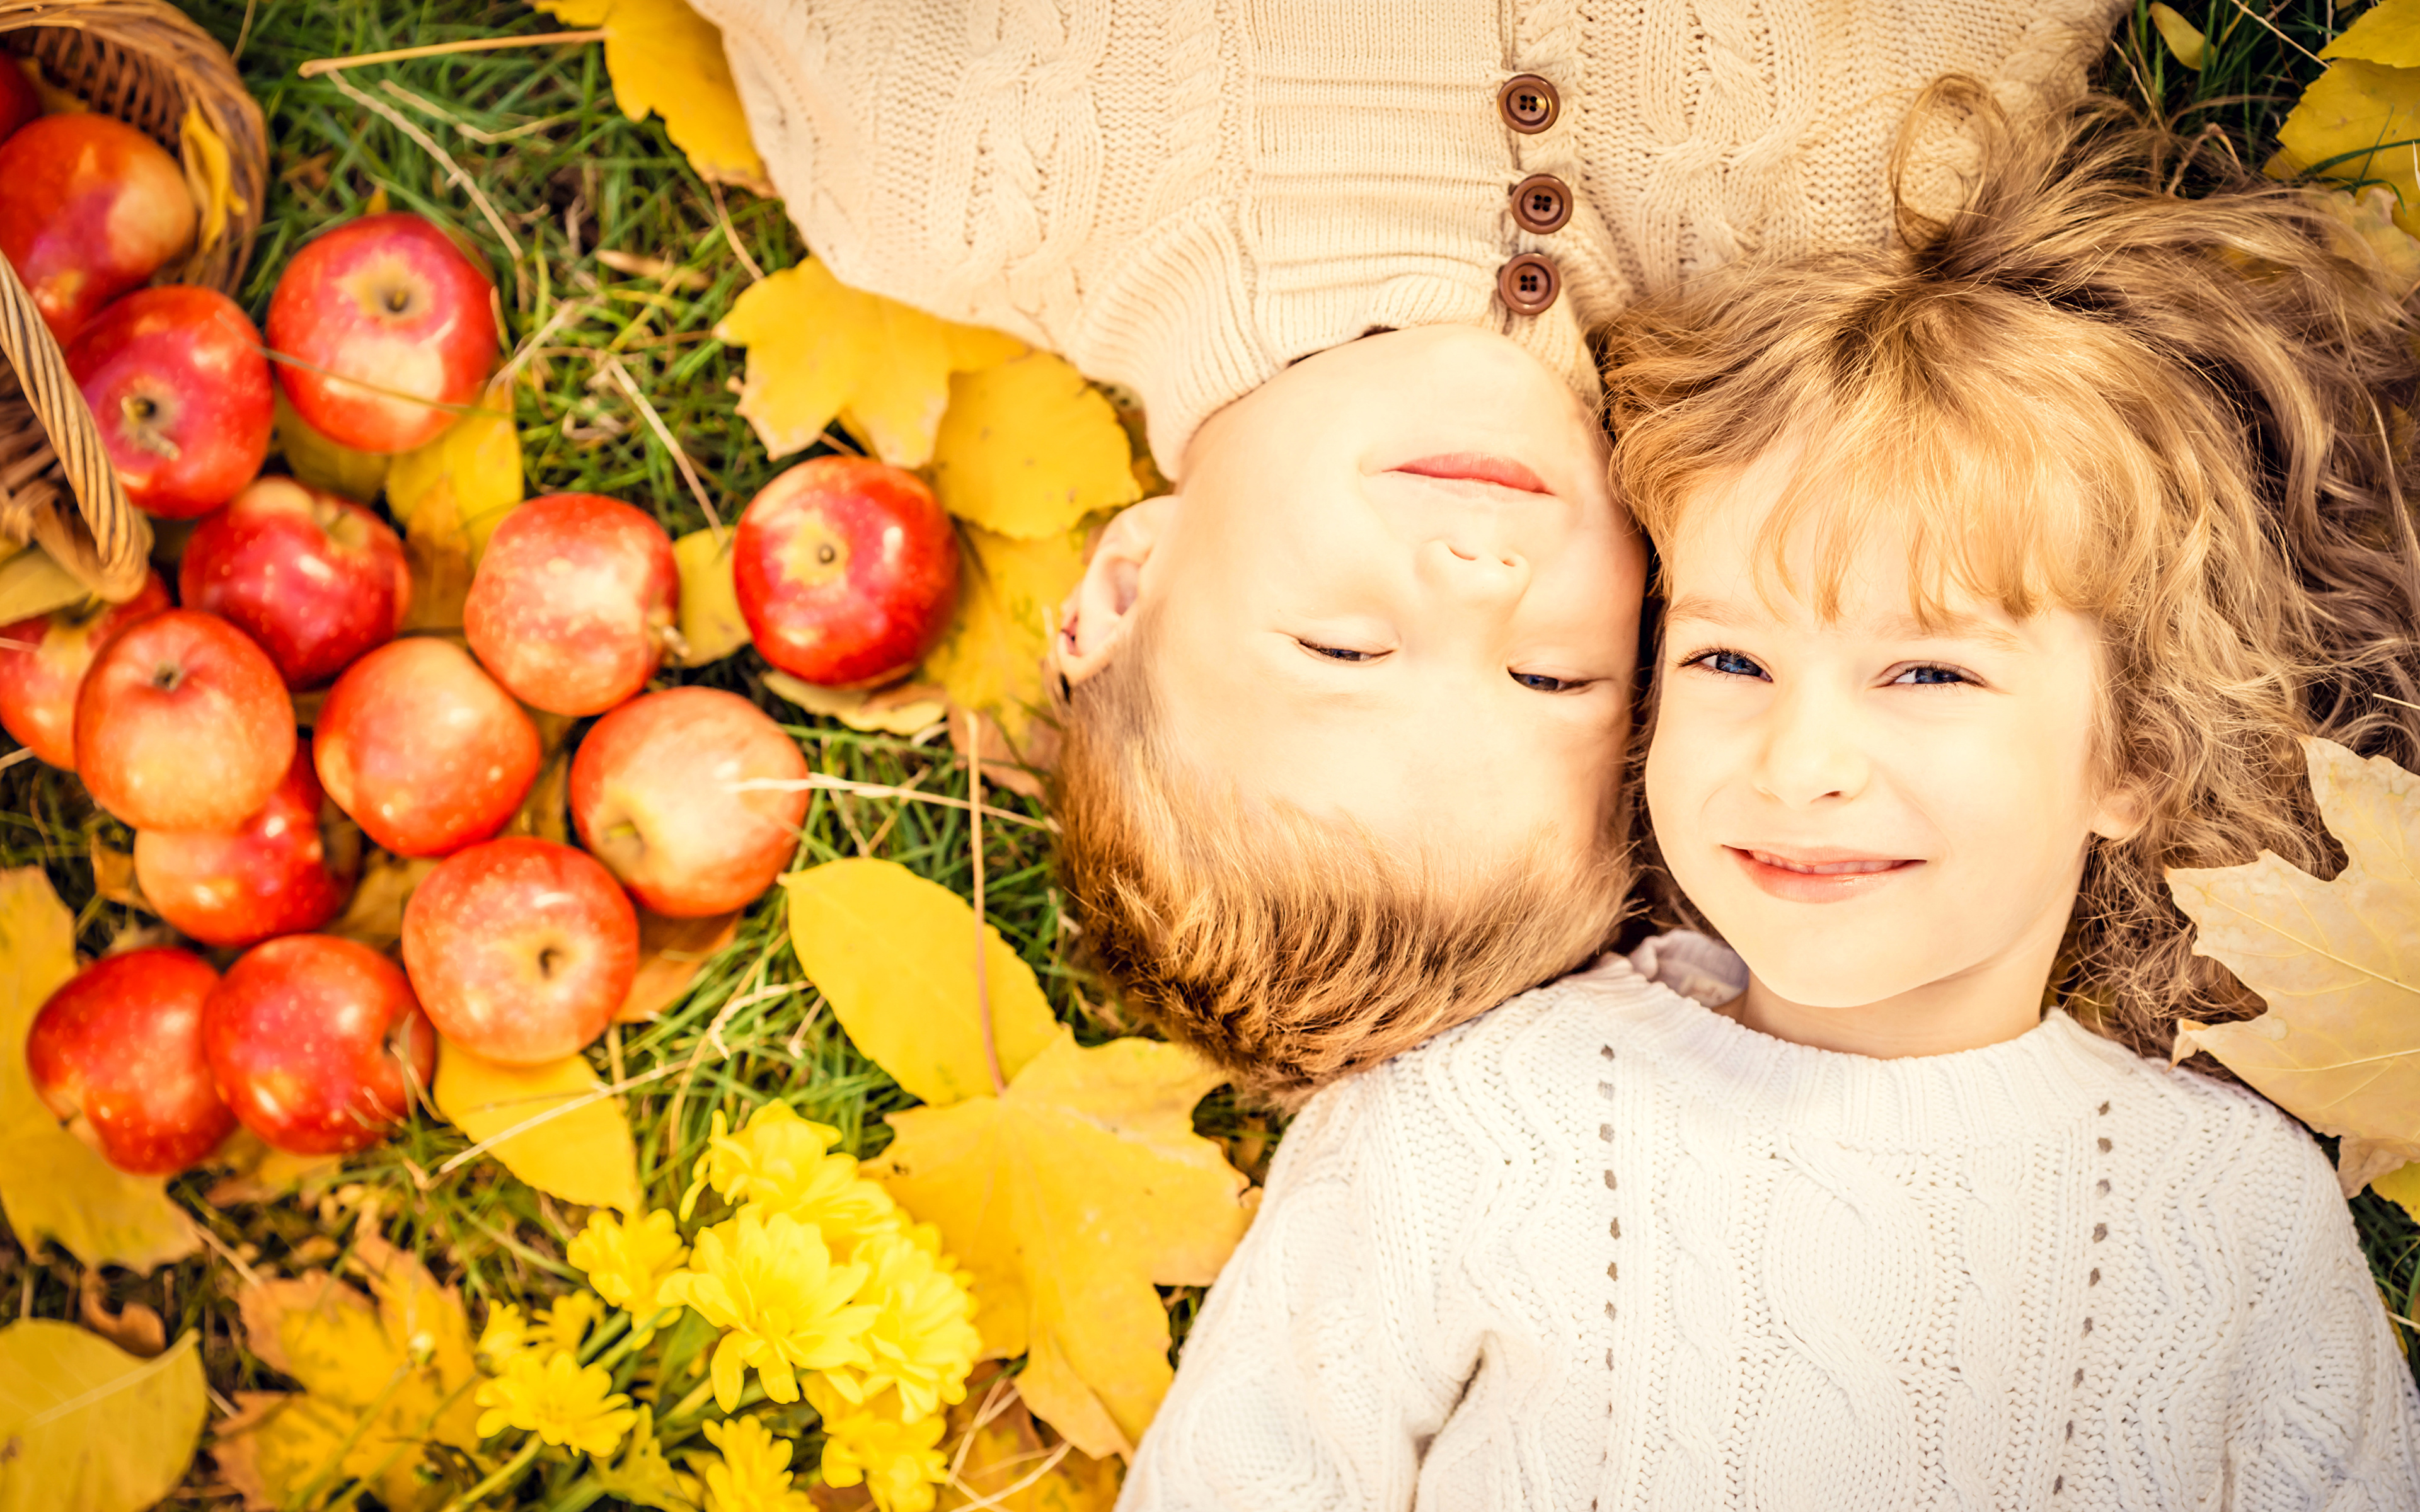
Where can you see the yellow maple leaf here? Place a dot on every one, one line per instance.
(449, 495)
(894, 956)
(583, 1154)
(398, 1369)
(665, 57)
(820, 351)
(1009, 591)
(2388, 33)
(314, 459)
(53, 1184)
(710, 624)
(2357, 122)
(1068, 1198)
(89, 1427)
(1028, 448)
(2338, 963)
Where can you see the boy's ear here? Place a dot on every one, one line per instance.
(1094, 621)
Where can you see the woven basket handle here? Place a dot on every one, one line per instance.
(108, 546)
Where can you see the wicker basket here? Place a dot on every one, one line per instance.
(143, 62)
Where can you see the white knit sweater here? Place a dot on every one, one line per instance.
(1604, 1248)
(1184, 195)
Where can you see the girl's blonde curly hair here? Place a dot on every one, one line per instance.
(2185, 416)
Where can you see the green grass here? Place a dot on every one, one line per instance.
(538, 132)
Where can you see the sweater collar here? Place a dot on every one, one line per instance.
(2025, 1089)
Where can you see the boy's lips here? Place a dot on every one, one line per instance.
(1820, 874)
(1476, 466)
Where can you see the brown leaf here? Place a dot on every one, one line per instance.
(670, 953)
(134, 1328)
(374, 916)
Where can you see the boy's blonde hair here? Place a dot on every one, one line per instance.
(1288, 950)
(2083, 390)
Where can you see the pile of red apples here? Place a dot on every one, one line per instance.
(177, 713)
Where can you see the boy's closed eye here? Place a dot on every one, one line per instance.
(1535, 681)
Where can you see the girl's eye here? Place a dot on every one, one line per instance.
(1544, 684)
(1337, 653)
(1727, 664)
(1931, 676)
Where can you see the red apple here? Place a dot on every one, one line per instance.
(20, 101)
(175, 379)
(520, 949)
(572, 601)
(317, 580)
(182, 723)
(422, 749)
(116, 1055)
(89, 207)
(43, 660)
(391, 302)
(846, 571)
(656, 792)
(312, 1041)
(276, 876)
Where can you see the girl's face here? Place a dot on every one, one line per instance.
(1889, 823)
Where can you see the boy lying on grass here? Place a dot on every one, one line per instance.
(1343, 711)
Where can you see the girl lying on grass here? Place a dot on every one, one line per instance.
(1343, 712)
(2004, 570)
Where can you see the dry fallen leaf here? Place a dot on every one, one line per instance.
(51, 1184)
(710, 625)
(1008, 1464)
(2356, 122)
(1028, 448)
(2338, 963)
(672, 952)
(209, 178)
(448, 495)
(374, 914)
(322, 463)
(901, 709)
(134, 1328)
(583, 1155)
(32, 583)
(1069, 1199)
(410, 1349)
(819, 350)
(666, 58)
(257, 1173)
(894, 956)
(85, 1427)
(991, 659)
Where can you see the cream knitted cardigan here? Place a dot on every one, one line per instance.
(1184, 195)
(1604, 1248)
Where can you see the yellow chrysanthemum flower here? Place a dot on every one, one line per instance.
(753, 1474)
(899, 1462)
(559, 1399)
(781, 1162)
(770, 1282)
(624, 1259)
(923, 1340)
(507, 1333)
(563, 1325)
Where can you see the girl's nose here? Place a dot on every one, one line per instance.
(1812, 751)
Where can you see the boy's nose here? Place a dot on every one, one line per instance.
(1474, 571)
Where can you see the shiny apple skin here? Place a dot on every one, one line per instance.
(423, 749)
(89, 208)
(389, 300)
(651, 795)
(312, 1039)
(520, 949)
(115, 1055)
(174, 378)
(38, 686)
(319, 581)
(571, 602)
(275, 875)
(182, 723)
(884, 597)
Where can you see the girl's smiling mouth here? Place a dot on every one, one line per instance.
(1817, 875)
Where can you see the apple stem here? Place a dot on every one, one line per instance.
(974, 815)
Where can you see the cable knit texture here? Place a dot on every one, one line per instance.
(1604, 1248)
(1185, 195)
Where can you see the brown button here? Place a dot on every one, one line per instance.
(1540, 202)
(1527, 104)
(1529, 284)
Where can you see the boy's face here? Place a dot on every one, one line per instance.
(1393, 588)
(1888, 824)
